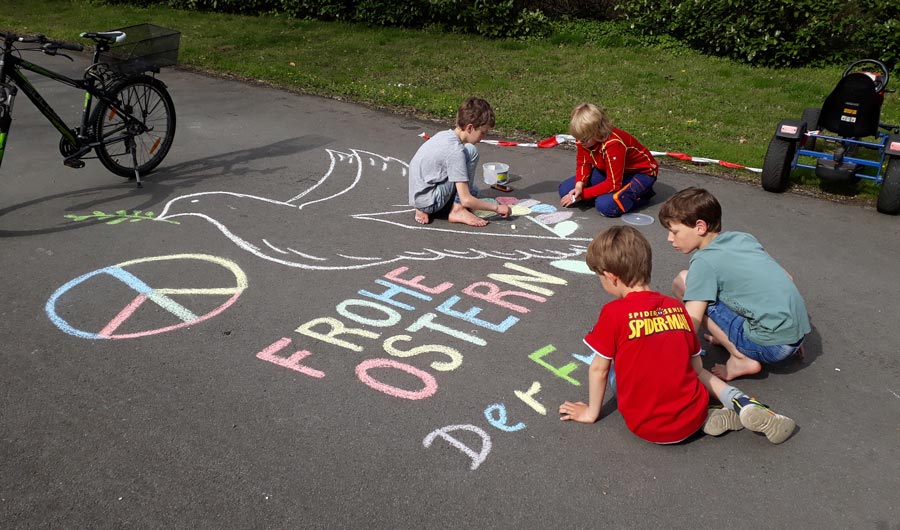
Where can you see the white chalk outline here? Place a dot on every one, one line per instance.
(288, 256)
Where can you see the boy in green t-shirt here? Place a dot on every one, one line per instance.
(647, 354)
(733, 287)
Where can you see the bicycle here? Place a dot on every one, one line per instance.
(128, 118)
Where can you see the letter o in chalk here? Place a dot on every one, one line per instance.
(392, 316)
(362, 372)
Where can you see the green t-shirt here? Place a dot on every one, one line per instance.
(734, 269)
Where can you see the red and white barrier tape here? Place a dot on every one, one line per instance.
(558, 139)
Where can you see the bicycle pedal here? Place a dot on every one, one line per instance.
(74, 163)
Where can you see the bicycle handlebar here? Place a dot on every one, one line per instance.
(66, 45)
(47, 44)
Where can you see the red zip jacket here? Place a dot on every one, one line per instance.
(618, 156)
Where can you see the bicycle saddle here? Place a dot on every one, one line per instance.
(107, 36)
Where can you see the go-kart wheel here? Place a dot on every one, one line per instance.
(776, 170)
(889, 197)
(811, 117)
(881, 80)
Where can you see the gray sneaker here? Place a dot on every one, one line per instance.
(720, 421)
(758, 418)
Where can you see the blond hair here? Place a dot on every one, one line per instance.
(589, 121)
(624, 252)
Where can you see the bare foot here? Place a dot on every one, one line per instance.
(464, 216)
(735, 368)
(422, 217)
(712, 340)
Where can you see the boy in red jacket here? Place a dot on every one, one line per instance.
(612, 168)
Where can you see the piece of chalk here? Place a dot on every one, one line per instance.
(513, 227)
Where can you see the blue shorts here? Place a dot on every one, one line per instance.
(445, 197)
(733, 326)
(445, 193)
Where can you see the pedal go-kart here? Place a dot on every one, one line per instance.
(851, 112)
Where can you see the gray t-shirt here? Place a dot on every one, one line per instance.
(734, 269)
(439, 159)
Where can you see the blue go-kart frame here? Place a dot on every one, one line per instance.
(852, 112)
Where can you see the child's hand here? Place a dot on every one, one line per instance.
(576, 411)
(504, 210)
(570, 198)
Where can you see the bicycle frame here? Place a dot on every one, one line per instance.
(18, 78)
(11, 68)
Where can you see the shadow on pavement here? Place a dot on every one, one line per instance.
(160, 185)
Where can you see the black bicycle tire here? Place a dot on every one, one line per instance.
(125, 93)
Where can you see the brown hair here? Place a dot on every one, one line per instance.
(476, 111)
(623, 251)
(691, 205)
(589, 121)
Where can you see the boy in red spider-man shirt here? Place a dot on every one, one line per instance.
(612, 168)
(646, 353)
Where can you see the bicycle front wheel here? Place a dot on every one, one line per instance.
(138, 130)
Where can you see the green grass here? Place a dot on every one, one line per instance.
(672, 99)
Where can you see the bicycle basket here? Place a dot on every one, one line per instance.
(146, 48)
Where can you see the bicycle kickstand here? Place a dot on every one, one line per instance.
(133, 148)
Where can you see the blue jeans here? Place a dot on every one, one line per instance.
(611, 381)
(635, 190)
(445, 192)
(733, 326)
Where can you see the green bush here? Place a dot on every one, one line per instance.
(578, 9)
(489, 18)
(328, 10)
(776, 32)
(137, 3)
(500, 19)
(380, 13)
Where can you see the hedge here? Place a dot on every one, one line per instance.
(776, 32)
(490, 18)
(764, 33)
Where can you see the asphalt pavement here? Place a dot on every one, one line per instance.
(262, 337)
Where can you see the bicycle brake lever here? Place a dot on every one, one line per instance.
(51, 50)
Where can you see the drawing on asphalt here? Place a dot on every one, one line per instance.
(142, 300)
(284, 238)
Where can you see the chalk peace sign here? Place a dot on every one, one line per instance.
(136, 298)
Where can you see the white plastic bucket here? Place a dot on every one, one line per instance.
(496, 173)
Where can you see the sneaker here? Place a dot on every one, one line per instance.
(758, 418)
(720, 421)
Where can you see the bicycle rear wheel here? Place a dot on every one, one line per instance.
(147, 129)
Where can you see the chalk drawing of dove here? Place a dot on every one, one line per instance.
(286, 232)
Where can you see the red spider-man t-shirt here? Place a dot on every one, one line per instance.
(650, 339)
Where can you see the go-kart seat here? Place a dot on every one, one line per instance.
(853, 108)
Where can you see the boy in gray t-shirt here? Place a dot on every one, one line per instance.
(442, 172)
(733, 287)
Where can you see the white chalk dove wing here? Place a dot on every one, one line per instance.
(301, 232)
